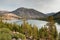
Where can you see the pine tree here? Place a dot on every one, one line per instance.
(35, 32)
(43, 34)
(52, 31)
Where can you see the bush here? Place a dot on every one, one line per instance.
(19, 35)
(5, 34)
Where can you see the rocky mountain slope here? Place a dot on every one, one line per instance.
(28, 13)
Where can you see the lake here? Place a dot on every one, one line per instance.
(38, 23)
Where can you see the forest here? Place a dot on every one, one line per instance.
(25, 31)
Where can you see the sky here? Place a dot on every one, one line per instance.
(45, 6)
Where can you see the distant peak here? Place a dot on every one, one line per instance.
(22, 8)
(25, 8)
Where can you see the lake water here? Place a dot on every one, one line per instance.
(38, 23)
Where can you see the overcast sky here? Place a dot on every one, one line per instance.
(45, 6)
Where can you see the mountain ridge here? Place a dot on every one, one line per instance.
(30, 13)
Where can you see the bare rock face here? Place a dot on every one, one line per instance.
(28, 13)
(21, 13)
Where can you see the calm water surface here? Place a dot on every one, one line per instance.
(38, 23)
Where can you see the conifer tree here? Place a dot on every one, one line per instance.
(43, 34)
(35, 32)
(52, 31)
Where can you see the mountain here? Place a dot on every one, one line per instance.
(29, 13)
(8, 16)
(3, 12)
(50, 14)
(57, 15)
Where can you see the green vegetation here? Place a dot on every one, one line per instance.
(5, 34)
(26, 31)
(9, 31)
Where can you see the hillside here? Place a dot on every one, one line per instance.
(50, 14)
(29, 13)
(57, 15)
(8, 16)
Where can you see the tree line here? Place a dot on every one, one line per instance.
(25, 31)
